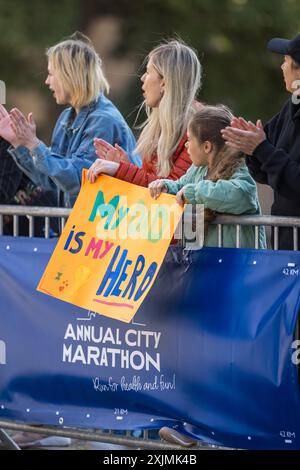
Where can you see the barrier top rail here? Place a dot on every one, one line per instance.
(268, 220)
(253, 220)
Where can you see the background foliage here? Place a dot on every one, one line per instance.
(230, 36)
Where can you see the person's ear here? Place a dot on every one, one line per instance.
(162, 87)
(208, 146)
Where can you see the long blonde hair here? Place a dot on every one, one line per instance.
(180, 68)
(79, 68)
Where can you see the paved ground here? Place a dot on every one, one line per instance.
(89, 445)
(77, 444)
(80, 445)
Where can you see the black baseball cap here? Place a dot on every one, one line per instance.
(286, 47)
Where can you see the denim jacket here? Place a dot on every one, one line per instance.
(60, 166)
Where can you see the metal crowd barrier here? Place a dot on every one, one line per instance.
(238, 221)
(31, 212)
(109, 436)
(256, 221)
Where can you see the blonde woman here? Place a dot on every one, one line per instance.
(76, 79)
(170, 86)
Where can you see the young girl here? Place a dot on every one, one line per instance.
(218, 179)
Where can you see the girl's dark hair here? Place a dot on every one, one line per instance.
(207, 125)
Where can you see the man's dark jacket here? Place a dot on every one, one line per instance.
(10, 174)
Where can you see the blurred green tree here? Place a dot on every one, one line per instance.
(27, 28)
(230, 36)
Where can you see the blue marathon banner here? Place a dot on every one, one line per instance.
(211, 350)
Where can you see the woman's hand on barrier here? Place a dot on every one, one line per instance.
(102, 166)
(6, 131)
(180, 199)
(247, 139)
(156, 188)
(25, 129)
(108, 152)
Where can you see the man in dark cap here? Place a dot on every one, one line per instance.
(273, 151)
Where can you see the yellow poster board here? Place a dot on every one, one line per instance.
(111, 248)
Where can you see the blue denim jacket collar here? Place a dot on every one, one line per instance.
(80, 117)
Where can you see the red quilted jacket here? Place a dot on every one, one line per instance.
(143, 176)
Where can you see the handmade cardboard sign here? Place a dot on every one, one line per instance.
(111, 248)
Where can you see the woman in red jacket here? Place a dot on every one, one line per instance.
(170, 86)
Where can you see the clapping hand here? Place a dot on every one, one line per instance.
(240, 123)
(244, 135)
(6, 131)
(24, 129)
(108, 152)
